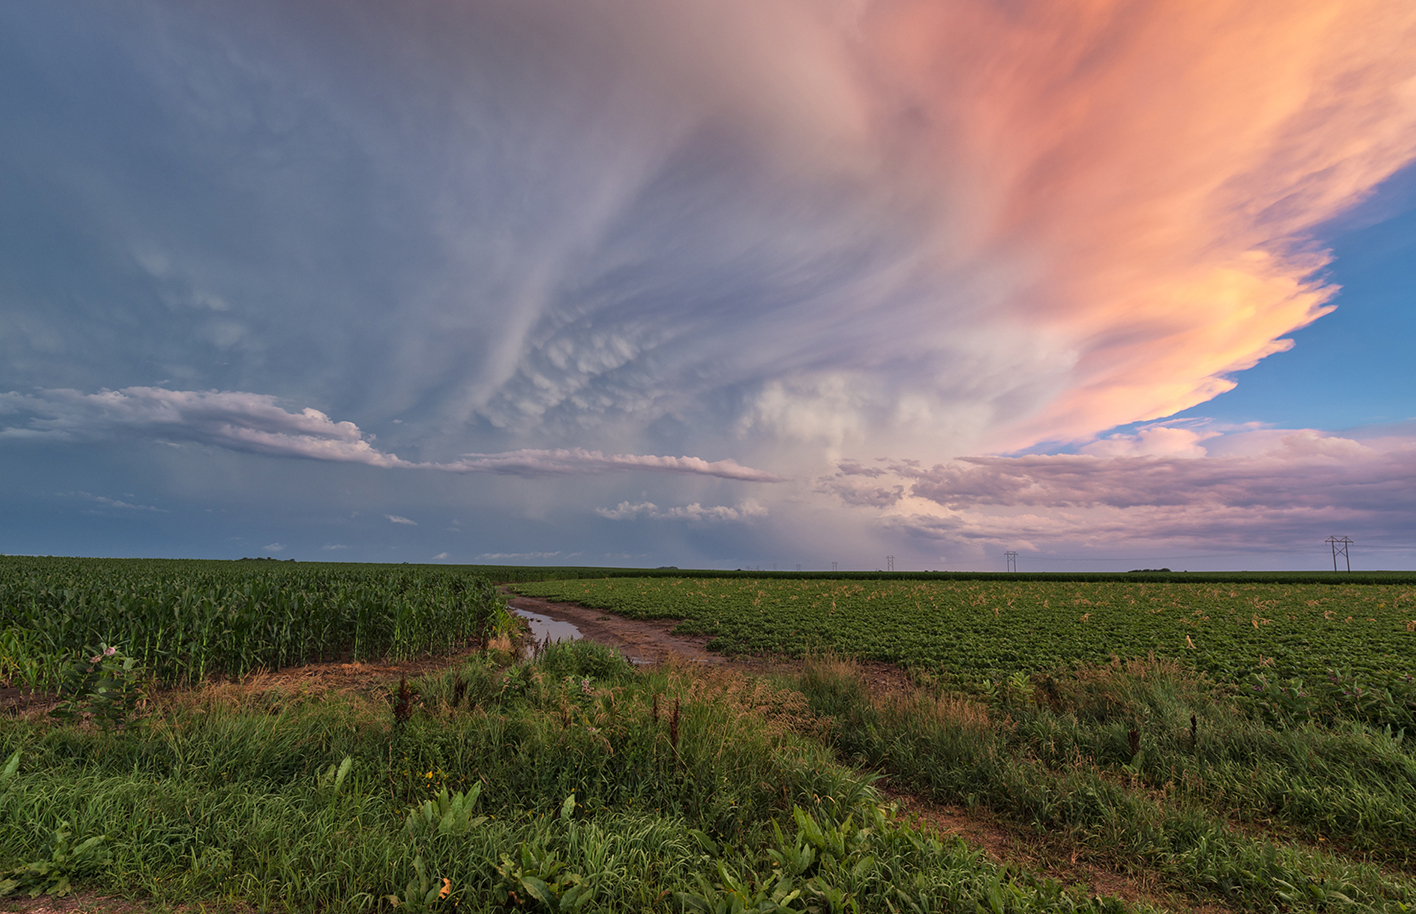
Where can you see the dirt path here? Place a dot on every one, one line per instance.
(642, 641)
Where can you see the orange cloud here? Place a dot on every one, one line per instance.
(1157, 165)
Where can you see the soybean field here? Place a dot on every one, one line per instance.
(1353, 645)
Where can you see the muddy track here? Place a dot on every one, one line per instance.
(642, 641)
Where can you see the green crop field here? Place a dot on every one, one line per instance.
(1129, 744)
(183, 620)
(1318, 638)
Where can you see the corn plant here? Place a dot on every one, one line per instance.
(21, 661)
(187, 620)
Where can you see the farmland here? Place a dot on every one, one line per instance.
(186, 620)
(1323, 638)
(569, 781)
(1181, 744)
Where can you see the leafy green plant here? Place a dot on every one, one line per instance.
(424, 893)
(21, 661)
(184, 620)
(106, 686)
(67, 859)
(732, 894)
(445, 814)
(333, 777)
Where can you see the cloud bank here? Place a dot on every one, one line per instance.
(256, 423)
(693, 512)
(1265, 490)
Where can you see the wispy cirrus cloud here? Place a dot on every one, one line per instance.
(396, 519)
(257, 423)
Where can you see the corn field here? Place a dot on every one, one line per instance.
(185, 620)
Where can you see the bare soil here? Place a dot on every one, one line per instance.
(642, 641)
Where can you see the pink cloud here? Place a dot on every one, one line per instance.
(1271, 488)
(1154, 169)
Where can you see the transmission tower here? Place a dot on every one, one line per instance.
(1339, 547)
(833, 567)
(1012, 558)
(889, 563)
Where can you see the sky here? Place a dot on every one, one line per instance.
(710, 283)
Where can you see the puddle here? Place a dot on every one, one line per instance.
(545, 628)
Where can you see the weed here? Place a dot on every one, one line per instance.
(68, 859)
(105, 686)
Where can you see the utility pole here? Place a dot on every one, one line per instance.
(889, 563)
(1012, 558)
(1339, 547)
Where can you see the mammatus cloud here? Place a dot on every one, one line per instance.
(788, 230)
(257, 423)
(1261, 489)
(962, 225)
(748, 510)
(1003, 223)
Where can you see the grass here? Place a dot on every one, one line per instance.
(573, 782)
(1107, 762)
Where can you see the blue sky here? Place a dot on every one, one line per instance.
(1352, 368)
(709, 284)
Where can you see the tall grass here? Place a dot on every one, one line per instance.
(595, 789)
(1099, 765)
